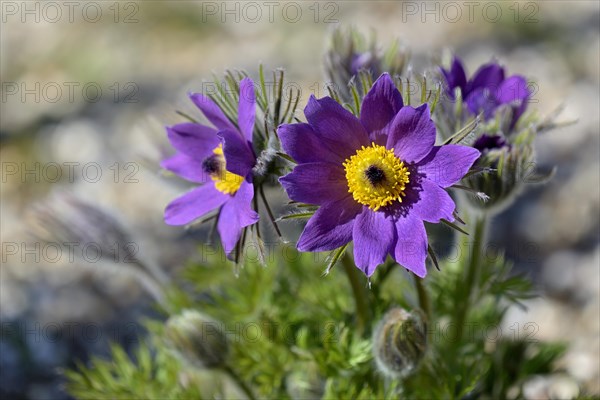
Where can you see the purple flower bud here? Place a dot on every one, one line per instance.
(490, 142)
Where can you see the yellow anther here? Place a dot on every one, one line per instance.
(376, 177)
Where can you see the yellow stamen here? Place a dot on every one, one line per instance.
(376, 177)
(225, 181)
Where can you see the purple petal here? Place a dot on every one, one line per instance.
(374, 237)
(456, 77)
(411, 245)
(239, 157)
(247, 108)
(194, 204)
(446, 165)
(302, 143)
(482, 99)
(488, 76)
(517, 112)
(513, 90)
(365, 61)
(379, 107)
(316, 183)
(412, 133)
(430, 202)
(186, 167)
(341, 131)
(330, 227)
(212, 112)
(195, 140)
(235, 215)
(458, 73)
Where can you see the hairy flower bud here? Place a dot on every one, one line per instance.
(508, 165)
(198, 339)
(64, 220)
(399, 342)
(349, 54)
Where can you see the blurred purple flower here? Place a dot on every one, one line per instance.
(490, 142)
(376, 179)
(365, 61)
(221, 160)
(488, 89)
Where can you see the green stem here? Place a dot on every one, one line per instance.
(423, 297)
(239, 382)
(271, 216)
(472, 277)
(360, 292)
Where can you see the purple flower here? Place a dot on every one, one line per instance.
(488, 89)
(376, 179)
(221, 160)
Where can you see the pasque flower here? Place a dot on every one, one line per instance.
(488, 89)
(376, 179)
(220, 159)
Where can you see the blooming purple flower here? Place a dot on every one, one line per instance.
(488, 89)
(221, 160)
(376, 179)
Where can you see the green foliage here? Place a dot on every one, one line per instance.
(487, 360)
(512, 362)
(152, 374)
(292, 333)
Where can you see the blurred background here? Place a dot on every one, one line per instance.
(87, 88)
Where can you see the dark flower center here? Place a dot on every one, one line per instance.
(211, 165)
(375, 175)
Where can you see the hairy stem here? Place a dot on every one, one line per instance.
(360, 292)
(239, 382)
(472, 273)
(423, 297)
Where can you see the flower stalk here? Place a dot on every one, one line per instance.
(239, 382)
(472, 273)
(360, 293)
(423, 297)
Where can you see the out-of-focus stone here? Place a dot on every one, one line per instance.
(536, 388)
